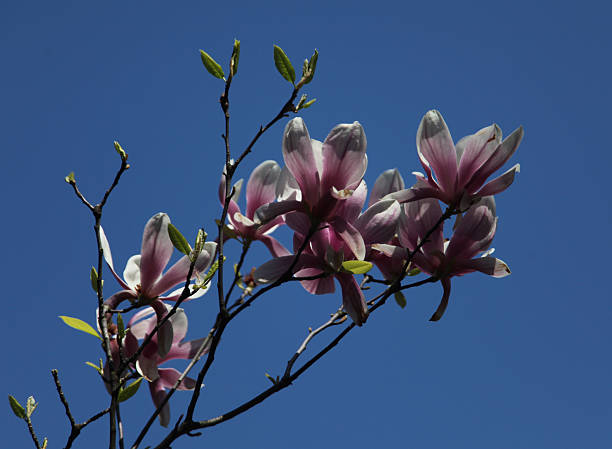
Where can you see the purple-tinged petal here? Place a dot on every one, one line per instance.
(147, 367)
(158, 395)
(388, 182)
(350, 235)
(446, 285)
(497, 159)
(272, 269)
(119, 297)
(475, 150)
(287, 187)
(143, 322)
(416, 220)
(389, 259)
(165, 334)
(500, 183)
(299, 222)
(186, 350)
(300, 159)
(487, 265)
(474, 232)
(131, 274)
(270, 211)
(379, 222)
(156, 250)
(436, 150)
(261, 188)
(316, 286)
(344, 158)
(353, 300)
(237, 188)
(274, 246)
(108, 257)
(168, 377)
(351, 207)
(177, 274)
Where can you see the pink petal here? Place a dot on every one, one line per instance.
(474, 232)
(177, 274)
(497, 159)
(270, 211)
(300, 159)
(379, 222)
(274, 246)
(299, 222)
(388, 182)
(476, 150)
(353, 300)
(316, 286)
(500, 183)
(350, 235)
(156, 251)
(261, 188)
(488, 265)
(416, 220)
(169, 376)
(344, 158)
(446, 285)
(436, 150)
(185, 350)
(351, 207)
(158, 395)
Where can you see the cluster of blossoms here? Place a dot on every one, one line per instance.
(320, 195)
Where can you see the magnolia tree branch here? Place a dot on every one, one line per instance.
(102, 308)
(75, 428)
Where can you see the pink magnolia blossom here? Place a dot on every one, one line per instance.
(462, 169)
(473, 234)
(320, 176)
(142, 278)
(260, 190)
(161, 379)
(149, 360)
(328, 248)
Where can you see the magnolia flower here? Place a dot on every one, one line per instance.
(328, 249)
(462, 169)
(321, 176)
(142, 278)
(260, 190)
(148, 362)
(473, 234)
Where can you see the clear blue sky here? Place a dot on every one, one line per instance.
(520, 362)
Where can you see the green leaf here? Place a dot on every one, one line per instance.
(308, 103)
(211, 65)
(235, 58)
(30, 406)
(356, 266)
(413, 272)
(400, 299)
(93, 275)
(70, 178)
(283, 65)
(178, 240)
(309, 69)
(213, 269)
(80, 325)
(17, 408)
(97, 368)
(120, 151)
(129, 391)
(120, 327)
(271, 379)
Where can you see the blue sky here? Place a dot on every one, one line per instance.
(520, 362)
